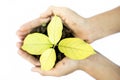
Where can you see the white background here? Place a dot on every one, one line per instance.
(13, 13)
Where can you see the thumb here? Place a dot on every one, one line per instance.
(52, 72)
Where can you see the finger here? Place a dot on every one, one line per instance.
(58, 70)
(21, 34)
(52, 10)
(34, 23)
(62, 12)
(29, 58)
(19, 44)
(52, 72)
(47, 13)
(27, 27)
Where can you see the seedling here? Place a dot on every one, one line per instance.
(41, 44)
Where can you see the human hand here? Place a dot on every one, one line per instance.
(72, 20)
(95, 65)
(22, 32)
(88, 29)
(62, 68)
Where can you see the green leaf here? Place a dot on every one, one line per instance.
(36, 43)
(48, 59)
(54, 29)
(75, 48)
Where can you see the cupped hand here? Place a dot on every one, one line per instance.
(63, 67)
(73, 21)
(27, 27)
(24, 30)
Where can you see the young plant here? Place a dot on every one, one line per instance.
(41, 44)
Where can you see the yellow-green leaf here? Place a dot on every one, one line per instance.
(48, 59)
(54, 29)
(36, 43)
(75, 48)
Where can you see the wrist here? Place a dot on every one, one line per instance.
(94, 31)
(86, 63)
(98, 65)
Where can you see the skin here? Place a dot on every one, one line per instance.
(89, 29)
